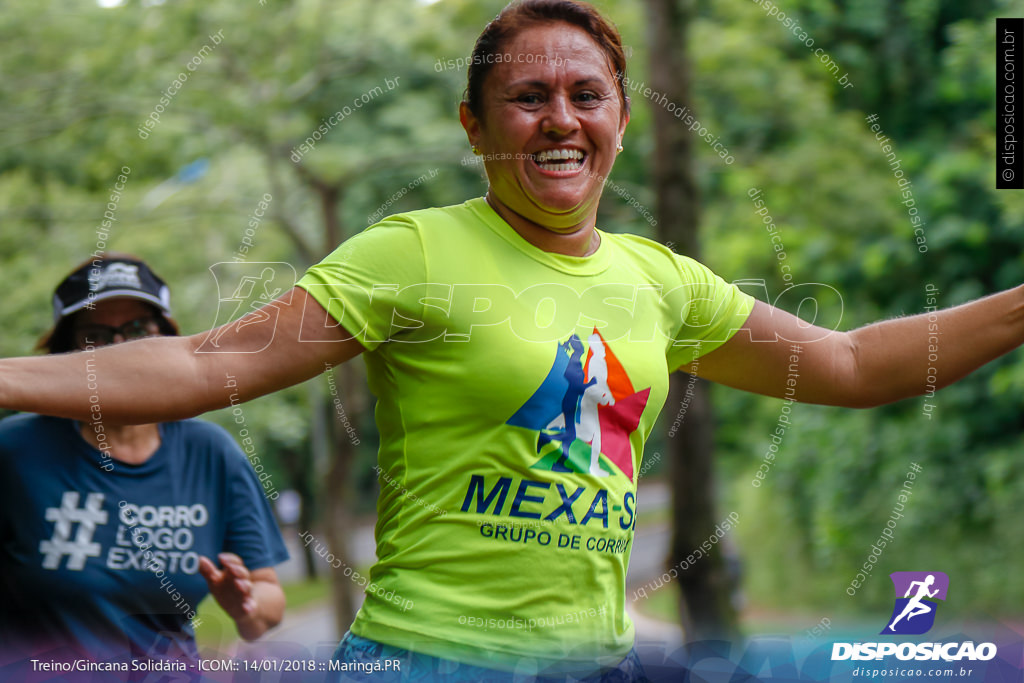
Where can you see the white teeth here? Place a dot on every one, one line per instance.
(559, 154)
(561, 166)
(560, 159)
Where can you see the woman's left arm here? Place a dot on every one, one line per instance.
(254, 599)
(777, 354)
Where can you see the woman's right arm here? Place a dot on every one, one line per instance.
(169, 378)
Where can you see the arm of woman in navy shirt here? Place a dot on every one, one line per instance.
(254, 599)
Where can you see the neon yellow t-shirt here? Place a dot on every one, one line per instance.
(515, 388)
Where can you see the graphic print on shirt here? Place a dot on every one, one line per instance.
(584, 411)
(148, 538)
(64, 517)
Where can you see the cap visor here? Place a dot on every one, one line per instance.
(116, 294)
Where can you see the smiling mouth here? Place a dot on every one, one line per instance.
(560, 160)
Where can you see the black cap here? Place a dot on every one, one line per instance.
(106, 278)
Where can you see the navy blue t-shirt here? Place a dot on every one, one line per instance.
(104, 563)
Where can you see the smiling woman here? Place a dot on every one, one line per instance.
(549, 128)
(520, 357)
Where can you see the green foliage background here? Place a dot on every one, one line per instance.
(78, 81)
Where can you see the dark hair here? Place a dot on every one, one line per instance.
(61, 338)
(524, 13)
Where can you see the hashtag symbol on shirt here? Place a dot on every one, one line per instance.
(64, 517)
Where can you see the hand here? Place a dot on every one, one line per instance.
(230, 586)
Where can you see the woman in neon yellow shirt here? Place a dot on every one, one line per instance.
(472, 320)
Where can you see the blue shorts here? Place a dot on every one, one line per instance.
(413, 667)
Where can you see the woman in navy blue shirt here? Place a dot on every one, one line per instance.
(108, 532)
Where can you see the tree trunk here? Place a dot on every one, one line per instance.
(340, 486)
(338, 518)
(298, 467)
(345, 407)
(706, 611)
(338, 490)
(330, 198)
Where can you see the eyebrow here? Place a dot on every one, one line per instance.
(544, 84)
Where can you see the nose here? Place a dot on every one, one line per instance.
(559, 117)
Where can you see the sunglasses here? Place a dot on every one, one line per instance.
(102, 335)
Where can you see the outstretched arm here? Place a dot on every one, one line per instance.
(168, 378)
(777, 354)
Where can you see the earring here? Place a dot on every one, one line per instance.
(620, 147)
(476, 150)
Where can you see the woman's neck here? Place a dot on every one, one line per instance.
(130, 444)
(579, 240)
